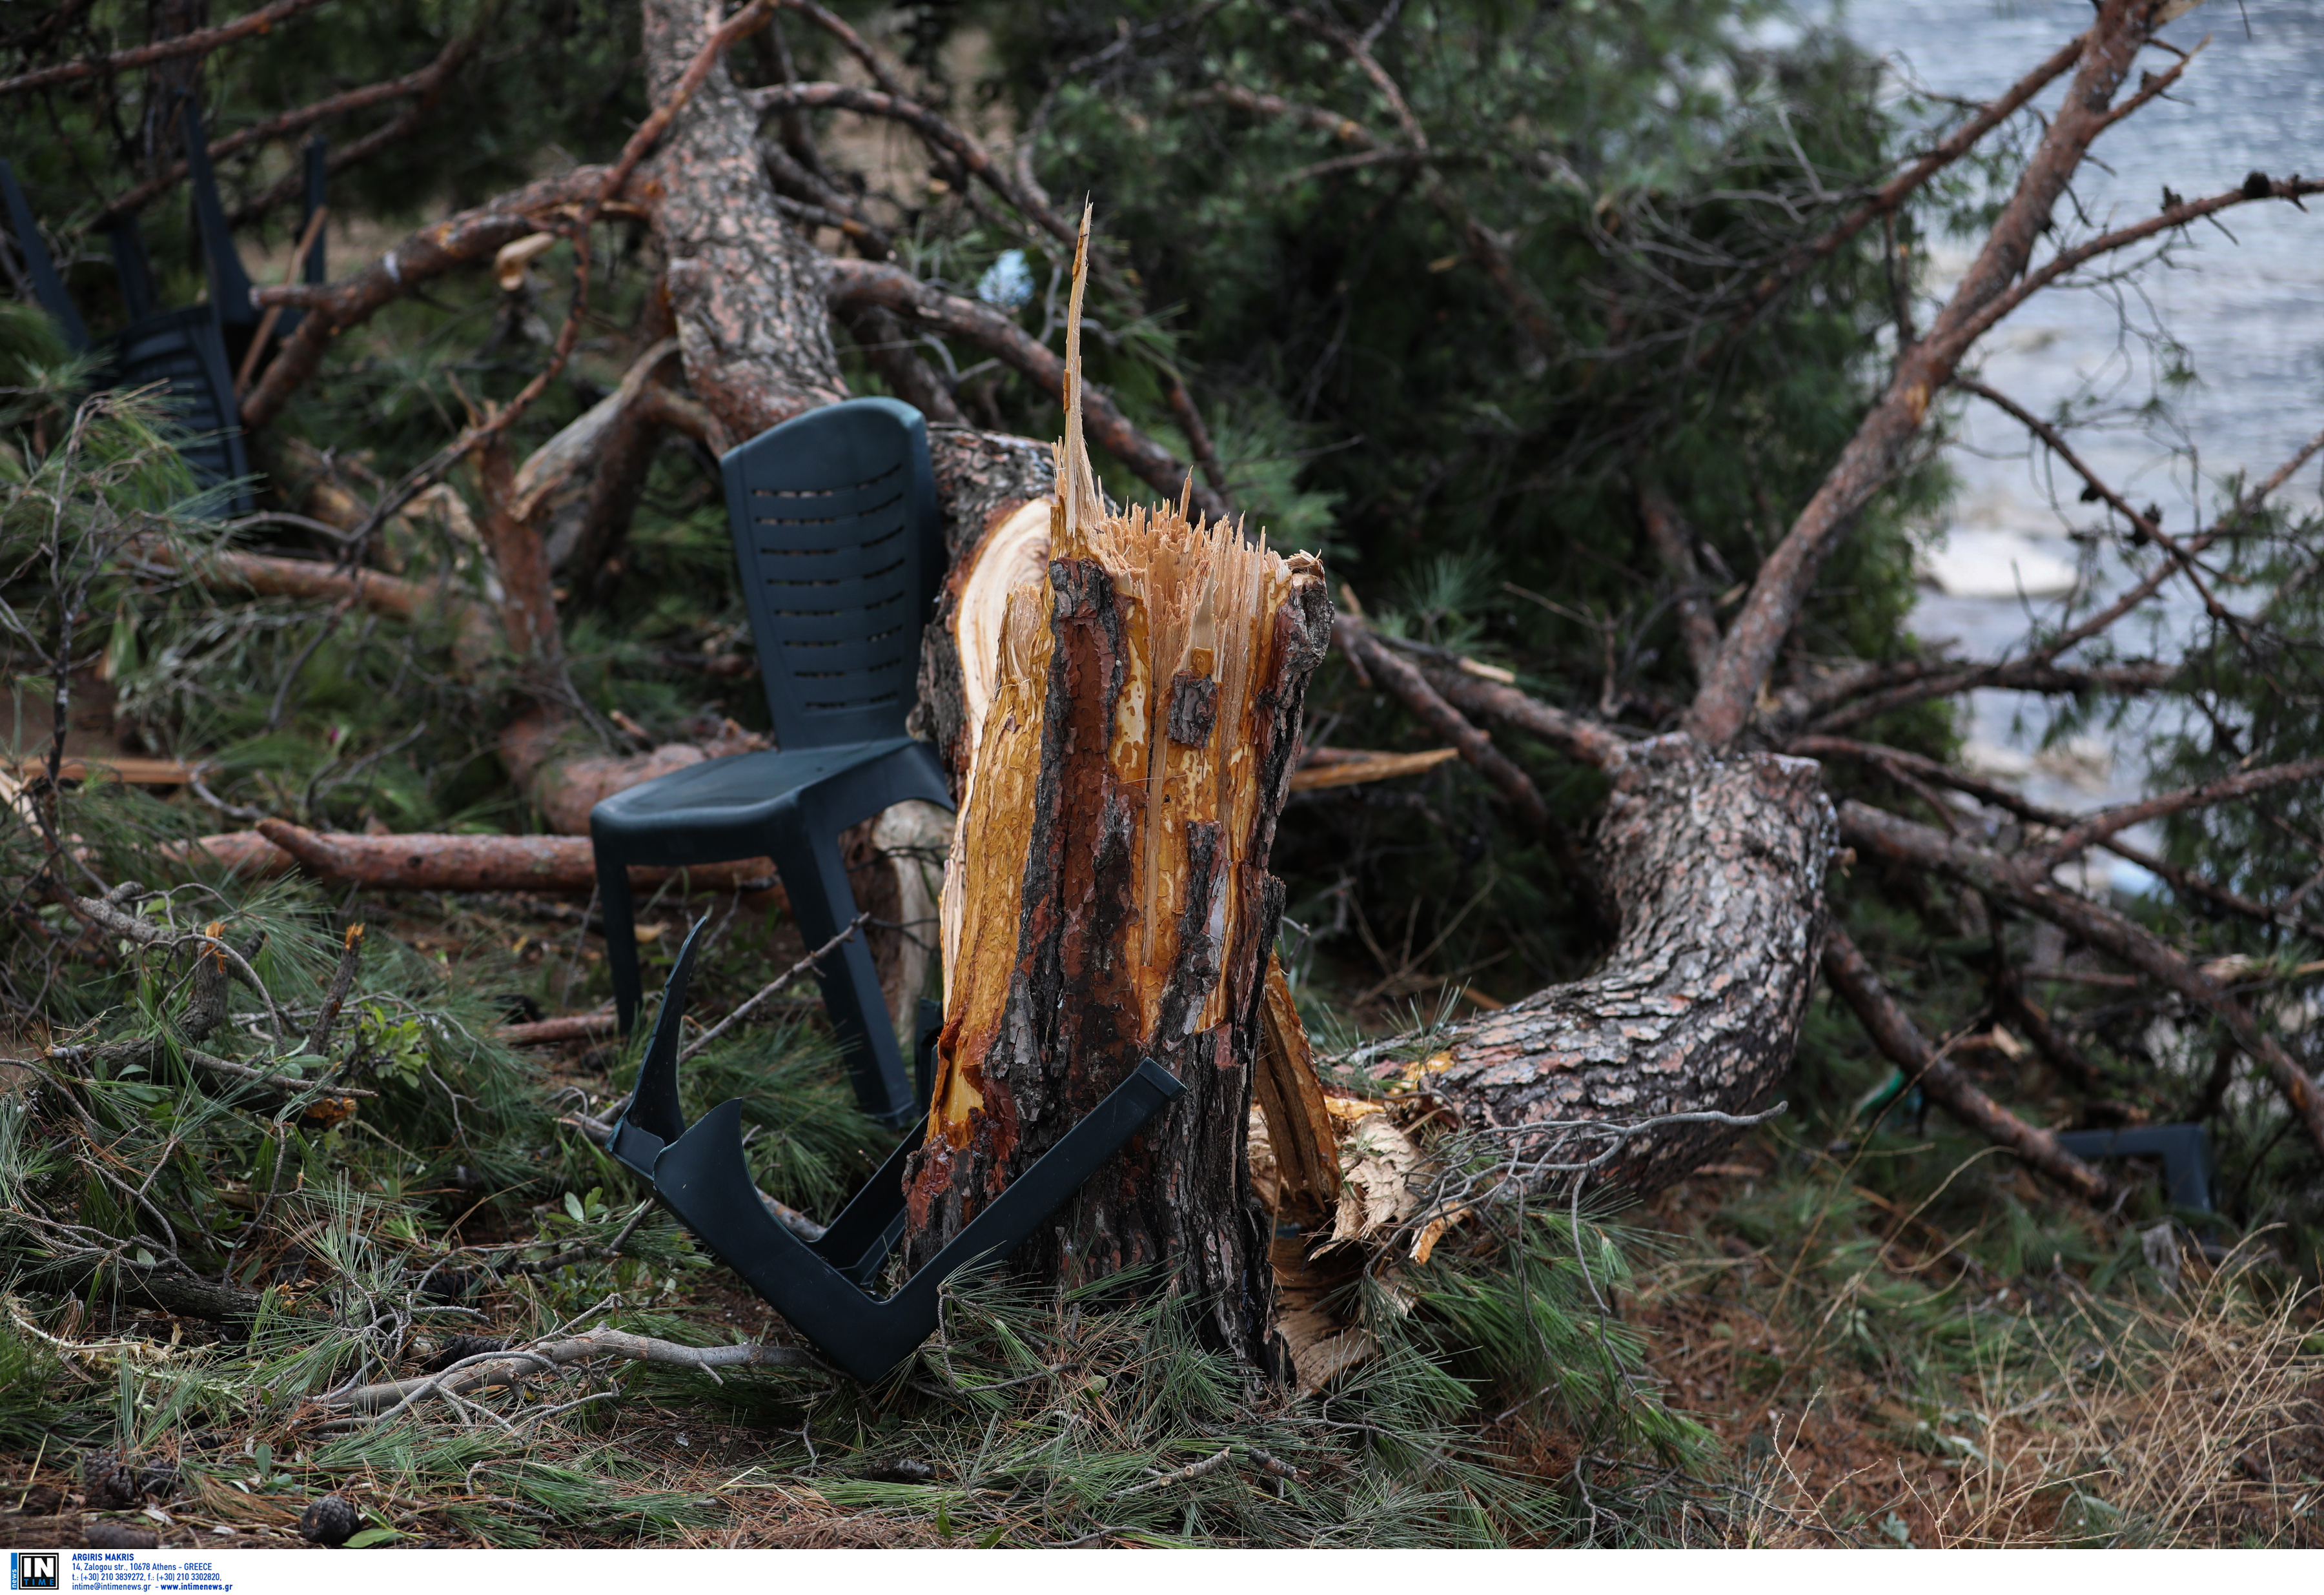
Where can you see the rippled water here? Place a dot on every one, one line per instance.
(2250, 312)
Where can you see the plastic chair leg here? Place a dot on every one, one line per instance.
(806, 854)
(615, 903)
(654, 1117)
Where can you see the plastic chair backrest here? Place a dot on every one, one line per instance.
(315, 156)
(133, 273)
(833, 517)
(184, 348)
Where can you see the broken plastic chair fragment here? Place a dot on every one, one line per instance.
(819, 1286)
(2185, 1150)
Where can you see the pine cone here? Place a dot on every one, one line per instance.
(329, 1520)
(105, 1482)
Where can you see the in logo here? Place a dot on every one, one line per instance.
(34, 1570)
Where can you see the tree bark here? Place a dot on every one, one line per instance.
(1108, 899)
(458, 863)
(1715, 868)
(745, 287)
(186, 1294)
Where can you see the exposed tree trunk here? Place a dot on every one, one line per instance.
(1716, 869)
(1108, 899)
(745, 286)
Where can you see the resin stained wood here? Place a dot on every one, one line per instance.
(1132, 695)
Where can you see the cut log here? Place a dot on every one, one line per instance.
(454, 862)
(1107, 898)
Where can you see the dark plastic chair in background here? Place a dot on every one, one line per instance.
(190, 349)
(833, 517)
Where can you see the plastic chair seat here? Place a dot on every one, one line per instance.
(702, 814)
(184, 350)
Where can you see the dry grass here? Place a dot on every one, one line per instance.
(2184, 1418)
(2194, 1419)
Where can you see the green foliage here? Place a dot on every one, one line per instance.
(808, 1143)
(30, 1379)
(1532, 1317)
(1377, 397)
(1037, 1417)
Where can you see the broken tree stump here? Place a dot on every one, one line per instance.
(1108, 899)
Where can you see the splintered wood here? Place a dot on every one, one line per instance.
(1197, 606)
(1132, 691)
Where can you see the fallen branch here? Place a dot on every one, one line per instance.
(1352, 766)
(456, 863)
(772, 987)
(854, 283)
(343, 981)
(384, 1401)
(129, 772)
(476, 628)
(152, 1052)
(2145, 527)
(1945, 1082)
(1918, 767)
(1890, 836)
(1697, 627)
(1731, 693)
(571, 1026)
(933, 129)
(466, 239)
(1591, 741)
(428, 80)
(2254, 189)
(2229, 788)
(261, 20)
(106, 914)
(1404, 679)
(186, 1295)
(1884, 201)
(1918, 682)
(1185, 1475)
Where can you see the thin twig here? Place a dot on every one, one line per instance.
(772, 987)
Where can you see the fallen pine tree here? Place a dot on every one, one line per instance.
(1708, 865)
